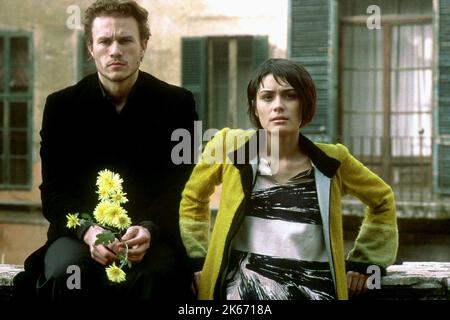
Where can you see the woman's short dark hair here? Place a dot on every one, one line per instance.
(286, 71)
(116, 8)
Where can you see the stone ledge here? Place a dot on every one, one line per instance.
(415, 281)
(405, 209)
(408, 281)
(7, 273)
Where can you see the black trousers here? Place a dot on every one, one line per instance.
(163, 274)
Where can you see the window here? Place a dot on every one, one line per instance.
(86, 64)
(386, 90)
(217, 70)
(15, 110)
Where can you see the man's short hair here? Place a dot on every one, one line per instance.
(116, 8)
(287, 71)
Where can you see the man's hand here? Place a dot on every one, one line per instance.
(138, 240)
(356, 284)
(104, 255)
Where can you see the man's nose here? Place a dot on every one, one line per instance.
(116, 49)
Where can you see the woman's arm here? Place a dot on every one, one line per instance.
(377, 241)
(194, 208)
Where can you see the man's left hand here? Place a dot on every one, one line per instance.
(138, 240)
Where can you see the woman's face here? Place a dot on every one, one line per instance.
(278, 106)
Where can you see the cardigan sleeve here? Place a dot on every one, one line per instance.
(377, 240)
(195, 214)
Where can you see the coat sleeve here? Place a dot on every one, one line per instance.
(377, 240)
(195, 214)
(58, 192)
(164, 211)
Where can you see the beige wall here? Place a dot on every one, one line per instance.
(18, 240)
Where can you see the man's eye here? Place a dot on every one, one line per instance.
(266, 98)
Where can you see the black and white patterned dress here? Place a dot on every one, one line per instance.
(279, 251)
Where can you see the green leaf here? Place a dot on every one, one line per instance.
(86, 216)
(84, 222)
(105, 237)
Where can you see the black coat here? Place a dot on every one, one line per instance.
(83, 134)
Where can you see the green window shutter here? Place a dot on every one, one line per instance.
(442, 167)
(194, 72)
(310, 38)
(442, 108)
(260, 50)
(16, 113)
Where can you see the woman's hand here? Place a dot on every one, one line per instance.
(356, 284)
(137, 239)
(196, 282)
(104, 255)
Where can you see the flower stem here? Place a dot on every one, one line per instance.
(124, 261)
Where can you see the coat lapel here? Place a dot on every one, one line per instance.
(323, 188)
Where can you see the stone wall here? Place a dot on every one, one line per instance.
(408, 281)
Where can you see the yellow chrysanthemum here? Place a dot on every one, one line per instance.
(103, 193)
(104, 175)
(110, 181)
(101, 210)
(115, 274)
(122, 222)
(119, 197)
(112, 213)
(72, 220)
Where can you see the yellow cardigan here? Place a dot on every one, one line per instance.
(338, 174)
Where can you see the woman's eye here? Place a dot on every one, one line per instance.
(267, 98)
(291, 96)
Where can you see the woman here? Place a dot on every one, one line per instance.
(278, 231)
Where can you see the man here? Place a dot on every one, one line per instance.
(119, 119)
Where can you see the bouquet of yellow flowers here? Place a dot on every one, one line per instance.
(111, 216)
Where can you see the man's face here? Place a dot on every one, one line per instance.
(116, 47)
